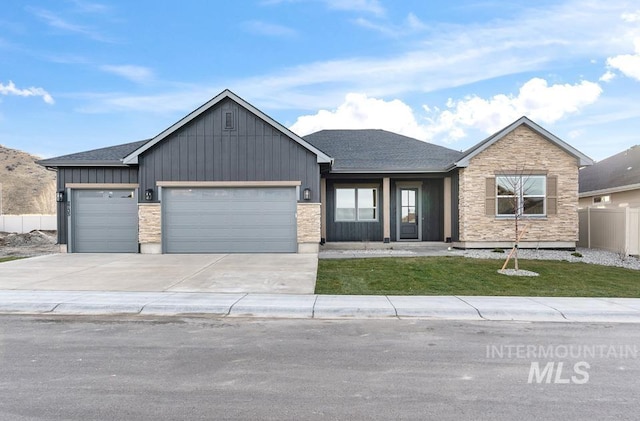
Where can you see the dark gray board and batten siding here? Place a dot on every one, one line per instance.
(432, 208)
(89, 175)
(203, 150)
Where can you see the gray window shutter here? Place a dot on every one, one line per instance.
(490, 196)
(552, 195)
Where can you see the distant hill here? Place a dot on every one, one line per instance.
(25, 187)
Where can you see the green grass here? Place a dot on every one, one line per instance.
(466, 276)
(10, 258)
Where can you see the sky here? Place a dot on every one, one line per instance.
(84, 74)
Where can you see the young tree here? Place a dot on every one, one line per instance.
(520, 193)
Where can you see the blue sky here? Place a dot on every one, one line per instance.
(83, 74)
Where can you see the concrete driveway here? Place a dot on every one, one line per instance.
(245, 273)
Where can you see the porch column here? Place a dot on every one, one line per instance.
(386, 214)
(323, 210)
(447, 208)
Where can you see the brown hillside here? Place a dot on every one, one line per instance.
(25, 187)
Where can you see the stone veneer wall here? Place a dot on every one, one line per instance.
(522, 148)
(149, 223)
(308, 223)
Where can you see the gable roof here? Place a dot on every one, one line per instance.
(132, 158)
(109, 156)
(463, 162)
(618, 172)
(381, 151)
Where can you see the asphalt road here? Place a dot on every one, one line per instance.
(191, 369)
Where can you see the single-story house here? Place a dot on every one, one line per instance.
(228, 178)
(614, 181)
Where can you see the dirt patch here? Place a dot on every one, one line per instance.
(34, 243)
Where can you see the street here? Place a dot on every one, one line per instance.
(81, 368)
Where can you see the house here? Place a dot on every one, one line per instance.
(613, 181)
(228, 178)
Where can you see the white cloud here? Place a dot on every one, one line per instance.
(410, 25)
(362, 112)
(269, 29)
(627, 64)
(608, 76)
(368, 6)
(128, 71)
(58, 22)
(363, 6)
(536, 100)
(631, 17)
(10, 89)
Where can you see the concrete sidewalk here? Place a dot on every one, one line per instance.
(546, 309)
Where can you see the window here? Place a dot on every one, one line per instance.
(601, 199)
(521, 194)
(357, 204)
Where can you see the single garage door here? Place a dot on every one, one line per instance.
(229, 220)
(104, 221)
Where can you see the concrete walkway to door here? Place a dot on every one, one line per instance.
(226, 273)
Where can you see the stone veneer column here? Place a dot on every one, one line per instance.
(150, 228)
(308, 227)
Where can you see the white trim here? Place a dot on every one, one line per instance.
(132, 158)
(228, 183)
(609, 190)
(355, 188)
(101, 186)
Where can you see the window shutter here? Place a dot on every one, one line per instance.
(552, 195)
(490, 196)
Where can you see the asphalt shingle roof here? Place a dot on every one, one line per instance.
(619, 170)
(111, 154)
(380, 150)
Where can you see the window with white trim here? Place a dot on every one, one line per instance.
(599, 200)
(357, 204)
(524, 195)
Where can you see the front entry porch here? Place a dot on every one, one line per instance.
(397, 208)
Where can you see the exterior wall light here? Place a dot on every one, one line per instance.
(148, 194)
(60, 196)
(306, 194)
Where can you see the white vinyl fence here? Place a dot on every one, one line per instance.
(21, 224)
(614, 229)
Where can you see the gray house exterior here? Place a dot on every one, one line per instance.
(228, 178)
(225, 178)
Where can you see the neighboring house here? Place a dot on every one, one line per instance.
(613, 181)
(228, 178)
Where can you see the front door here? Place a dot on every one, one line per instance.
(409, 213)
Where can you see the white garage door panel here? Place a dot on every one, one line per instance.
(104, 221)
(229, 220)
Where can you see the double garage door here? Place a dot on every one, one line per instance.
(229, 220)
(194, 220)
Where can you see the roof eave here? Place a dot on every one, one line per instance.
(609, 190)
(82, 163)
(132, 158)
(388, 171)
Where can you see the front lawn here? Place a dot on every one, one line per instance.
(466, 276)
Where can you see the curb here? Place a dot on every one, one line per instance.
(528, 309)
